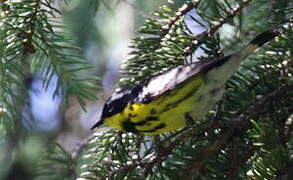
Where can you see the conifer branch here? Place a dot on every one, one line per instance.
(286, 174)
(28, 46)
(260, 106)
(181, 12)
(194, 167)
(230, 15)
(237, 10)
(236, 163)
(238, 124)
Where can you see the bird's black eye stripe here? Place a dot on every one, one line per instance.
(146, 100)
(116, 105)
(119, 100)
(129, 126)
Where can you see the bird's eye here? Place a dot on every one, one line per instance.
(146, 100)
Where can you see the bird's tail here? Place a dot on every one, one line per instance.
(265, 37)
(257, 42)
(223, 69)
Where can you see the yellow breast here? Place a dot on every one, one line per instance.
(163, 114)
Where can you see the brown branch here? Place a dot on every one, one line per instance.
(181, 11)
(259, 107)
(194, 167)
(4, 7)
(236, 162)
(189, 49)
(121, 171)
(28, 47)
(230, 15)
(286, 173)
(233, 166)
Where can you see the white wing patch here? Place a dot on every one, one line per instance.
(169, 79)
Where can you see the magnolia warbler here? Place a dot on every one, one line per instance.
(166, 101)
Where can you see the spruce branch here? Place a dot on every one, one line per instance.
(179, 14)
(159, 33)
(260, 106)
(237, 124)
(35, 40)
(28, 35)
(235, 11)
(197, 40)
(240, 122)
(56, 163)
(194, 167)
(21, 26)
(168, 44)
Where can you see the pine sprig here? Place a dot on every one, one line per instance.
(35, 40)
(105, 159)
(158, 32)
(55, 163)
(168, 43)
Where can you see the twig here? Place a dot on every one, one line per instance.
(287, 173)
(230, 15)
(123, 170)
(189, 49)
(260, 105)
(181, 11)
(194, 167)
(28, 47)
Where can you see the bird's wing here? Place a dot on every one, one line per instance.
(165, 82)
(223, 68)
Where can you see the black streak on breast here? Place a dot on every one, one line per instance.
(129, 126)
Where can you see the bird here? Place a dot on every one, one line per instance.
(169, 100)
(172, 99)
